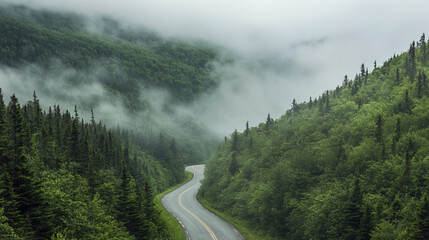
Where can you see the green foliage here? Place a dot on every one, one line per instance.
(351, 164)
(66, 179)
(129, 59)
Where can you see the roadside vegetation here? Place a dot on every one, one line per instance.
(352, 163)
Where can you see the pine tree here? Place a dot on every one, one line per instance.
(362, 70)
(379, 131)
(419, 85)
(37, 217)
(268, 122)
(345, 81)
(152, 215)
(422, 220)
(3, 128)
(397, 80)
(234, 145)
(246, 131)
(9, 199)
(233, 165)
(294, 105)
(406, 178)
(423, 48)
(365, 225)
(353, 214)
(327, 106)
(397, 134)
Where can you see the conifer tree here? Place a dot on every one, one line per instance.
(268, 123)
(234, 145)
(37, 217)
(233, 165)
(246, 131)
(379, 131)
(345, 81)
(294, 105)
(397, 134)
(422, 220)
(365, 224)
(423, 48)
(327, 106)
(353, 214)
(397, 80)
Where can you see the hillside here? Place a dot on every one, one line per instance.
(131, 59)
(128, 75)
(64, 178)
(350, 164)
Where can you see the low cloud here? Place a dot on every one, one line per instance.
(281, 49)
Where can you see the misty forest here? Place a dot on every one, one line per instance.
(96, 121)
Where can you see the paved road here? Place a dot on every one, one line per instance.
(198, 223)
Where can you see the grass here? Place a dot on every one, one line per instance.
(245, 230)
(173, 227)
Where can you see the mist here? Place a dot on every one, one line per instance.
(281, 49)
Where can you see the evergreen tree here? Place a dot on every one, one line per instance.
(421, 223)
(353, 214)
(365, 225)
(233, 166)
(294, 105)
(152, 215)
(268, 122)
(327, 106)
(379, 131)
(247, 130)
(234, 145)
(397, 80)
(419, 85)
(397, 134)
(37, 217)
(362, 70)
(345, 81)
(423, 48)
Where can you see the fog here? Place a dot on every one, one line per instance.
(282, 49)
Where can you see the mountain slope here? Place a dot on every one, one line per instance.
(128, 75)
(128, 64)
(62, 178)
(350, 164)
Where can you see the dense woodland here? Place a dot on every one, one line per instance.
(352, 163)
(123, 59)
(65, 178)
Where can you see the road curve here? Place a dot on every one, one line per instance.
(197, 222)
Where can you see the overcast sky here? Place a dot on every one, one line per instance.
(318, 42)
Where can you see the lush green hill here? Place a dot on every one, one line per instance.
(133, 66)
(350, 164)
(131, 59)
(65, 178)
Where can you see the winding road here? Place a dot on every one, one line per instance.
(197, 222)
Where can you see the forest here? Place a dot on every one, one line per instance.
(130, 58)
(130, 64)
(352, 163)
(64, 178)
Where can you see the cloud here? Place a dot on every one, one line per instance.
(305, 46)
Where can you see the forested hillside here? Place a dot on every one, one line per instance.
(127, 71)
(65, 178)
(350, 164)
(130, 58)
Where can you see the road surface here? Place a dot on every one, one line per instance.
(197, 222)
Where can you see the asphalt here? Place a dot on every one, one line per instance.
(197, 222)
